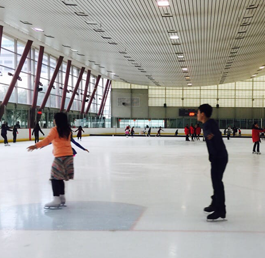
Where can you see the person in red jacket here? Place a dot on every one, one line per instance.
(187, 132)
(256, 137)
(198, 131)
(192, 132)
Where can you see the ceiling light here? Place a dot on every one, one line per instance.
(184, 69)
(49, 36)
(163, 3)
(91, 22)
(106, 37)
(69, 3)
(74, 50)
(112, 43)
(99, 30)
(25, 22)
(189, 84)
(180, 56)
(254, 75)
(81, 14)
(2, 6)
(38, 29)
(123, 52)
(112, 73)
(262, 67)
(80, 54)
(174, 37)
(66, 46)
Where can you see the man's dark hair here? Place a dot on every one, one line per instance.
(206, 109)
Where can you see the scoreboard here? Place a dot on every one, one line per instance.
(187, 112)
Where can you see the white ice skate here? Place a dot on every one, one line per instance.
(63, 200)
(56, 203)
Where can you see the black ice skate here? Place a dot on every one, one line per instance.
(210, 208)
(215, 216)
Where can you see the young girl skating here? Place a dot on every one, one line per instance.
(63, 166)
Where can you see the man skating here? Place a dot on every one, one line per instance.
(218, 157)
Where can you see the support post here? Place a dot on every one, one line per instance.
(65, 84)
(103, 98)
(75, 89)
(15, 76)
(93, 94)
(36, 87)
(1, 36)
(60, 60)
(109, 85)
(85, 92)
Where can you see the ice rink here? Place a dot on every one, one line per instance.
(132, 198)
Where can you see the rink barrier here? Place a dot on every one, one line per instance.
(25, 134)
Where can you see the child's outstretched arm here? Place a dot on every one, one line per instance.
(78, 145)
(46, 141)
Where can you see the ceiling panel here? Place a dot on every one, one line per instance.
(221, 40)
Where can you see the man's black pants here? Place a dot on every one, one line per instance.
(217, 170)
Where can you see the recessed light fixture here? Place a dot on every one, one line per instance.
(254, 75)
(112, 43)
(123, 52)
(162, 3)
(172, 31)
(184, 69)
(69, 3)
(74, 50)
(66, 46)
(112, 73)
(174, 37)
(106, 37)
(99, 30)
(187, 77)
(38, 29)
(49, 36)
(262, 67)
(189, 84)
(2, 6)
(81, 14)
(131, 60)
(91, 22)
(91, 61)
(176, 44)
(80, 54)
(127, 56)
(25, 22)
(180, 56)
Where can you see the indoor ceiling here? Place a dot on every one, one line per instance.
(220, 41)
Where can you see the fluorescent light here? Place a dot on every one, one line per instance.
(112, 73)
(74, 50)
(262, 67)
(254, 75)
(189, 84)
(184, 69)
(174, 37)
(163, 3)
(180, 56)
(38, 29)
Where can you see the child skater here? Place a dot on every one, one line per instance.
(36, 131)
(187, 132)
(159, 131)
(198, 132)
(79, 134)
(132, 131)
(4, 130)
(63, 166)
(192, 132)
(256, 137)
(218, 157)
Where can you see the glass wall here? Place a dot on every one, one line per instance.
(249, 93)
(10, 56)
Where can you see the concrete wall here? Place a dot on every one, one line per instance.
(170, 112)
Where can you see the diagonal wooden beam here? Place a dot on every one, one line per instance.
(93, 94)
(85, 92)
(69, 62)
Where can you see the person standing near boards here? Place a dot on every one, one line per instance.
(63, 166)
(159, 131)
(218, 157)
(36, 132)
(132, 131)
(79, 134)
(198, 132)
(256, 137)
(192, 132)
(187, 132)
(149, 131)
(15, 132)
(4, 130)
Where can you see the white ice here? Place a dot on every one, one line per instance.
(167, 177)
